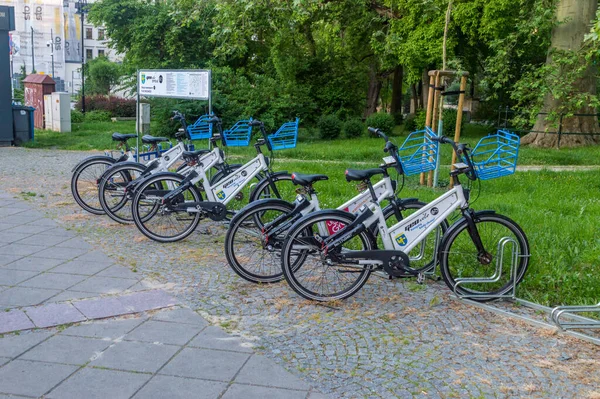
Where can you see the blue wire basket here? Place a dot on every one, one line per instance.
(419, 153)
(286, 136)
(239, 134)
(496, 155)
(201, 129)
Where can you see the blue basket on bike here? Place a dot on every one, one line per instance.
(201, 129)
(286, 136)
(496, 155)
(419, 152)
(239, 134)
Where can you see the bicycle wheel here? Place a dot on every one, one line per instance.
(158, 222)
(114, 198)
(251, 253)
(323, 276)
(285, 188)
(243, 196)
(84, 183)
(459, 259)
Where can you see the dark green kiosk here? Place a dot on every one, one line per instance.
(7, 23)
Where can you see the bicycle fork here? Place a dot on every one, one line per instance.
(484, 257)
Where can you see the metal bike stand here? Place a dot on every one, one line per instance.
(581, 323)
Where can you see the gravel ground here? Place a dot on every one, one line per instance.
(393, 339)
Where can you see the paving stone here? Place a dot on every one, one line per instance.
(148, 300)
(8, 259)
(205, 364)
(105, 329)
(95, 256)
(61, 253)
(166, 333)
(22, 377)
(317, 395)
(25, 296)
(93, 383)
(135, 356)
(34, 264)
(81, 267)
(213, 337)
(72, 296)
(6, 226)
(44, 222)
(8, 236)
(14, 277)
(20, 249)
(262, 371)
(104, 285)
(20, 219)
(74, 243)
(54, 314)
(13, 345)
(254, 392)
(57, 281)
(119, 271)
(101, 308)
(181, 315)
(40, 239)
(3, 361)
(14, 320)
(58, 231)
(7, 211)
(28, 229)
(67, 349)
(162, 386)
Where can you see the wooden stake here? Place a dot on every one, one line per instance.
(429, 113)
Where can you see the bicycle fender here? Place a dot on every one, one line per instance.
(119, 164)
(404, 201)
(252, 205)
(93, 158)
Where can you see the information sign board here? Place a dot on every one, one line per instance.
(192, 84)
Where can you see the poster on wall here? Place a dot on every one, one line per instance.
(193, 84)
(72, 33)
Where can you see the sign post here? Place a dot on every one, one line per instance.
(7, 24)
(188, 84)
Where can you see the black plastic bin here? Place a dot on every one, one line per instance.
(22, 124)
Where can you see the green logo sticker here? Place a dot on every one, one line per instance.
(221, 195)
(401, 239)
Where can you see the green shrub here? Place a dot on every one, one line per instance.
(410, 123)
(420, 117)
(76, 116)
(97, 116)
(477, 130)
(330, 127)
(382, 121)
(353, 128)
(398, 118)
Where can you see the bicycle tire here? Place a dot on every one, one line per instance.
(126, 173)
(287, 191)
(91, 205)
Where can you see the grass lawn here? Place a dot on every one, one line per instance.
(560, 212)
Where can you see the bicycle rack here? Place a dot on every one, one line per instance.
(581, 322)
(497, 273)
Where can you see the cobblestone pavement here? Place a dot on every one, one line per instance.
(393, 339)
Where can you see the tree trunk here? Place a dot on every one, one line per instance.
(414, 98)
(373, 93)
(424, 88)
(396, 105)
(575, 17)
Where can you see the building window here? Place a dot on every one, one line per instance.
(100, 34)
(88, 33)
(89, 54)
(101, 53)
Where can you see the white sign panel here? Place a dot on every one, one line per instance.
(188, 83)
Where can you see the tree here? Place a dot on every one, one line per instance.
(570, 80)
(101, 75)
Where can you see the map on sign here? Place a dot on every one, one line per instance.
(190, 83)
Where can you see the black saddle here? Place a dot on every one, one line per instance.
(122, 137)
(189, 155)
(307, 180)
(361, 175)
(147, 139)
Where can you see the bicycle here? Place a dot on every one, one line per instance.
(166, 215)
(466, 254)
(256, 234)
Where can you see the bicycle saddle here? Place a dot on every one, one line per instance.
(188, 155)
(360, 175)
(307, 180)
(147, 139)
(122, 137)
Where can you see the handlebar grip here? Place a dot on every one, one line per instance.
(255, 122)
(214, 119)
(373, 130)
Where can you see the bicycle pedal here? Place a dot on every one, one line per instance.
(420, 278)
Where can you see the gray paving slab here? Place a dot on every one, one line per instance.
(317, 395)
(81, 267)
(42, 221)
(119, 271)
(93, 383)
(213, 337)
(6, 226)
(148, 300)
(33, 263)
(8, 259)
(13, 277)
(3, 361)
(14, 320)
(71, 296)
(8, 236)
(205, 364)
(236, 391)
(262, 371)
(74, 243)
(101, 308)
(23, 377)
(135, 356)
(58, 231)
(105, 329)
(15, 344)
(41, 239)
(25, 296)
(61, 253)
(28, 229)
(54, 314)
(67, 350)
(7, 211)
(162, 386)
(15, 203)
(181, 315)
(20, 249)
(94, 256)
(104, 285)
(57, 281)
(166, 333)
(20, 219)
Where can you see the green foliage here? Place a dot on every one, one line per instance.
(101, 75)
(420, 119)
(398, 118)
(115, 106)
(329, 126)
(353, 128)
(19, 96)
(476, 130)
(76, 116)
(97, 116)
(381, 120)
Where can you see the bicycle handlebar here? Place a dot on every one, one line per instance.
(460, 150)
